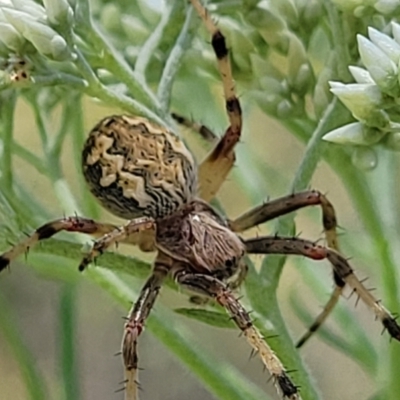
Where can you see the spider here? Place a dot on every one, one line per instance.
(144, 173)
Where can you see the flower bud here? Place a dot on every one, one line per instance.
(348, 5)
(266, 101)
(284, 109)
(58, 12)
(43, 38)
(382, 69)
(361, 75)
(261, 67)
(355, 133)
(392, 141)
(303, 79)
(31, 8)
(270, 25)
(322, 95)
(264, 18)
(288, 11)
(297, 58)
(272, 85)
(396, 31)
(389, 46)
(387, 7)
(311, 14)
(363, 100)
(10, 37)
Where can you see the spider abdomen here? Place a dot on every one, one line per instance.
(135, 167)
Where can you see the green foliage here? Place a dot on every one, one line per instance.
(129, 56)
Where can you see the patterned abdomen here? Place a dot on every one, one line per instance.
(135, 167)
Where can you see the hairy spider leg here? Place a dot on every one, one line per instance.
(135, 324)
(212, 287)
(205, 132)
(286, 245)
(119, 234)
(216, 166)
(284, 205)
(69, 224)
(78, 225)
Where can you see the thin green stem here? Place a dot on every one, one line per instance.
(112, 60)
(173, 62)
(339, 41)
(7, 109)
(97, 89)
(76, 127)
(152, 42)
(67, 333)
(40, 121)
(29, 157)
(58, 141)
(59, 79)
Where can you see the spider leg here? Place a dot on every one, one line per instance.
(284, 205)
(69, 224)
(285, 245)
(77, 224)
(135, 324)
(216, 166)
(210, 286)
(202, 130)
(119, 234)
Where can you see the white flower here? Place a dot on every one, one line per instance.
(361, 99)
(355, 133)
(361, 75)
(382, 69)
(388, 45)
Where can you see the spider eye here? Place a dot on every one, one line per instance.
(152, 171)
(230, 263)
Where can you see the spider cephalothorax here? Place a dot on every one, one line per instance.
(144, 173)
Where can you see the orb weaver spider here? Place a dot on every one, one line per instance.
(144, 173)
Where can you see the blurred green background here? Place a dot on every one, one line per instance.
(59, 330)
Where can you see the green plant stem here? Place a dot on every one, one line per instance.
(67, 321)
(29, 157)
(152, 42)
(339, 41)
(96, 89)
(134, 81)
(76, 123)
(7, 109)
(59, 79)
(313, 151)
(173, 62)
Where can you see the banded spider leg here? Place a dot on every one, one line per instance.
(296, 246)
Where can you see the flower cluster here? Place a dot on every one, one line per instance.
(26, 25)
(373, 99)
